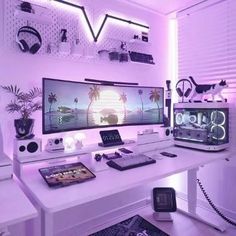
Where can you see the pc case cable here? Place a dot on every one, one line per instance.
(213, 205)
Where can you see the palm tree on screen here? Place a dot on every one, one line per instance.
(140, 92)
(94, 95)
(123, 98)
(155, 97)
(52, 98)
(76, 100)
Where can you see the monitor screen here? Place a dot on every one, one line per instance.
(70, 105)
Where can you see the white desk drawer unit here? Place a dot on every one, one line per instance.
(16, 206)
(6, 169)
(6, 172)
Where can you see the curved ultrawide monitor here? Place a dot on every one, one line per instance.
(70, 105)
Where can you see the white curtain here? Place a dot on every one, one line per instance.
(207, 44)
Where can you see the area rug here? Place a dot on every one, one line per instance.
(134, 226)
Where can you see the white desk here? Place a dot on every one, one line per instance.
(14, 205)
(112, 181)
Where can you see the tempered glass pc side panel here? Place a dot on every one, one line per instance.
(204, 125)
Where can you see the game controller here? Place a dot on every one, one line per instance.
(107, 156)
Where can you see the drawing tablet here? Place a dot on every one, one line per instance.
(64, 175)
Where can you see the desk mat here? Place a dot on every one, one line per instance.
(134, 226)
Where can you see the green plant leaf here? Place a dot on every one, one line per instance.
(12, 89)
(12, 107)
(35, 92)
(23, 102)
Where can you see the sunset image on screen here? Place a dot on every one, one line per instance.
(75, 105)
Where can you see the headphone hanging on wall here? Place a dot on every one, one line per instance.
(23, 45)
(183, 88)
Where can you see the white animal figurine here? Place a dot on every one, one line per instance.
(206, 89)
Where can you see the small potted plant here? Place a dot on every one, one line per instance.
(25, 104)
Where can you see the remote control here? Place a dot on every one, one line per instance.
(167, 154)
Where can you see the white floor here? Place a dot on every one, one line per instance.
(181, 226)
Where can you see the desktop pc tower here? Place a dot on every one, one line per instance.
(203, 126)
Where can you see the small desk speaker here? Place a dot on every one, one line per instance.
(163, 202)
(27, 147)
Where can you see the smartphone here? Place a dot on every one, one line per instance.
(167, 154)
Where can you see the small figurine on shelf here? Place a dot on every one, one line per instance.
(63, 35)
(184, 88)
(124, 54)
(64, 46)
(208, 89)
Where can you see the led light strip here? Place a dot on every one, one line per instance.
(218, 125)
(95, 37)
(220, 112)
(224, 133)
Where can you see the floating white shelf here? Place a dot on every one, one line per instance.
(40, 17)
(131, 41)
(142, 63)
(56, 155)
(139, 41)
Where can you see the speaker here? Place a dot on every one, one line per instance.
(169, 131)
(27, 147)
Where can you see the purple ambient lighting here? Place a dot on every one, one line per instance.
(96, 36)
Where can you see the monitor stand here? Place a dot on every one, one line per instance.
(110, 144)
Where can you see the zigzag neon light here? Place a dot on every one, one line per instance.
(95, 37)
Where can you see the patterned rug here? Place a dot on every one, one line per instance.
(134, 226)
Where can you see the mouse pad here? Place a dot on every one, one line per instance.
(134, 226)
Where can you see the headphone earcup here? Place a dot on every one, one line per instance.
(23, 45)
(188, 91)
(34, 48)
(179, 91)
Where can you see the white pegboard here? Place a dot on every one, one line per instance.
(71, 20)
